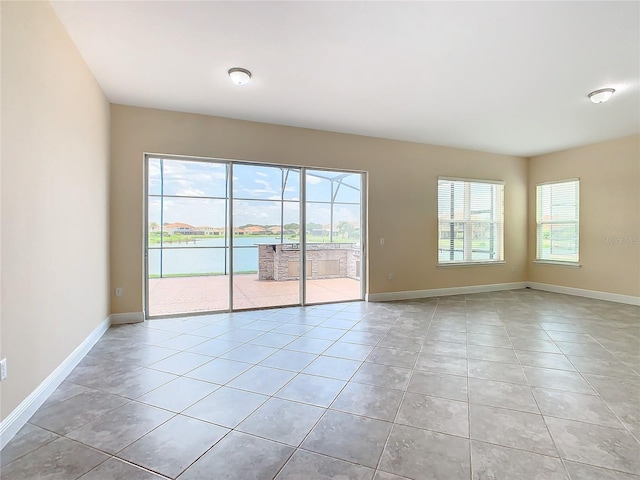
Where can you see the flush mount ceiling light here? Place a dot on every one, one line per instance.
(239, 76)
(602, 95)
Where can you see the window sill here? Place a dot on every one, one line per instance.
(470, 264)
(561, 264)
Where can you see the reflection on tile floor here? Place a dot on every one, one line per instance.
(506, 385)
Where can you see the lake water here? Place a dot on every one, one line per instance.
(192, 258)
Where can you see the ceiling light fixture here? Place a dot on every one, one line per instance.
(239, 76)
(602, 95)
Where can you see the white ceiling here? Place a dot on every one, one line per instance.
(506, 77)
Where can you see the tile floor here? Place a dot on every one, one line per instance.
(508, 385)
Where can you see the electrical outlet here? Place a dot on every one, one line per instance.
(382, 241)
(391, 276)
(118, 291)
(3, 369)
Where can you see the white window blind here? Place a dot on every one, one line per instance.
(470, 221)
(558, 217)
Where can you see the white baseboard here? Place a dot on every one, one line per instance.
(580, 292)
(130, 317)
(23, 412)
(443, 292)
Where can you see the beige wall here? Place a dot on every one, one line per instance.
(55, 154)
(609, 175)
(402, 192)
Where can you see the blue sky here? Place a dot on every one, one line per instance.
(257, 193)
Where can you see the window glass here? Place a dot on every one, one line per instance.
(470, 221)
(557, 218)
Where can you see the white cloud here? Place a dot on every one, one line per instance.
(347, 214)
(191, 192)
(267, 213)
(154, 170)
(264, 183)
(314, 180)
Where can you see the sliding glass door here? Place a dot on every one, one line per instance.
(266, 223)
(333, 241)
(224, 235)
(187, 237)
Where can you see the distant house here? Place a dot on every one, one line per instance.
(275, 230)
(255, 230)
(208, 231)
(327, 229)
(179, 228)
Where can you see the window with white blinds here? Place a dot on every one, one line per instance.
(558, 221)
(470, 221)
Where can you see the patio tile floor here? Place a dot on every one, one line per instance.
(184, 295)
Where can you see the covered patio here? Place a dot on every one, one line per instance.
(175, 295)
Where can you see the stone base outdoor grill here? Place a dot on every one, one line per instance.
(324, 260)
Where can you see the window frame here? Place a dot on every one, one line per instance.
(540, 223)
(496, 224)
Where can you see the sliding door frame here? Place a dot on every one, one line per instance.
(303, 237)
(230, 226)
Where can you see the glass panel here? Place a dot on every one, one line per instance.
(245, 258)
(484, 241)
(257, 182)
(154, 262)
(154, 221)
(318, 222)
(185, 262)
(193, 222)
(193, 280)
(558, 216)
(258, 219)
(567, 212)
(333, 237)
(187, 258)
(188, 178)
(346, 223)
(154, 177)
(558, 242)
(451, 242)
(266, 275)
(475, 235)
(318, 185)
(563, 240)
(265, 236)
(291, 221)
(347, 188)
(291, 184)
(450, 199)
